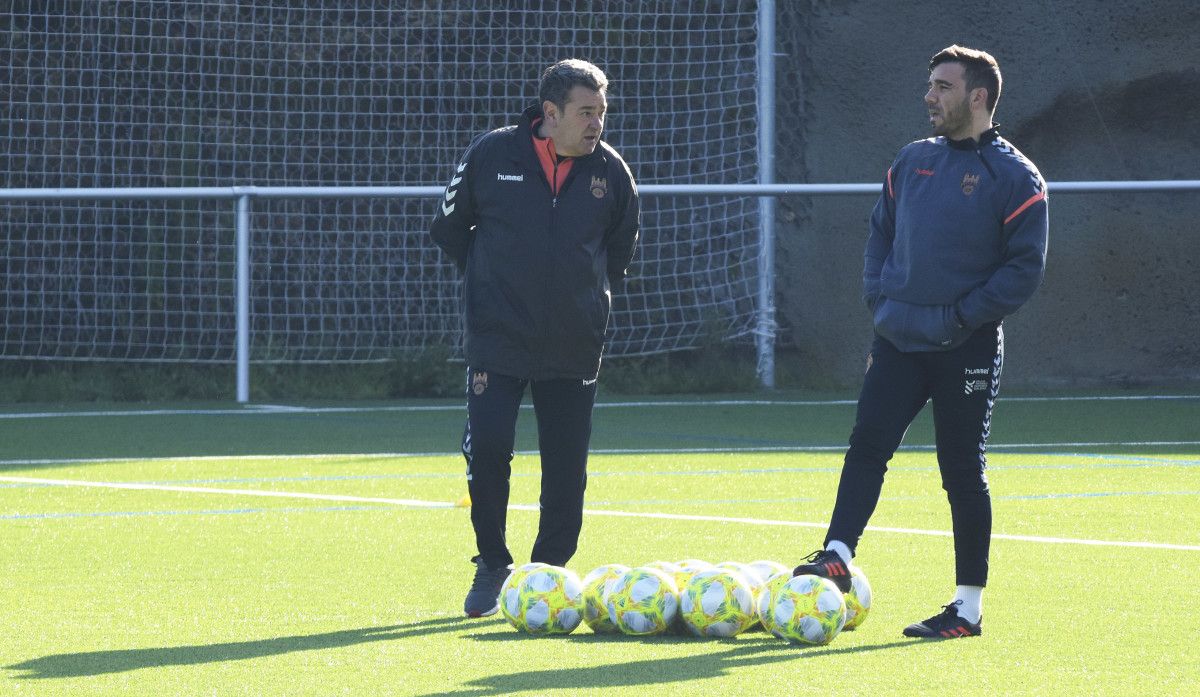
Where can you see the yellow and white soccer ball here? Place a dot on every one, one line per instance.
(748, 572)
(687, 569)
(717, 603)
(543, 600)
(515, 575)
(521, 571)
(669, 567)
(858, 600)
(695, 564)
(595, 585)
(642, 601)
(766, 569)
(765, 598)
(806, 609)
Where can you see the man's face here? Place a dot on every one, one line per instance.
(576, 129)
(948, 101)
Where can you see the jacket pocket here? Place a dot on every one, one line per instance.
(914, 327)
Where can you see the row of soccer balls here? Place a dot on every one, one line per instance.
(720, 600)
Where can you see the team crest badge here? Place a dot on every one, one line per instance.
(969, 182)
(599, 187)
(478, 382)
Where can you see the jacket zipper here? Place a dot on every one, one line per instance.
(979, 153)
(554, 181)
(549, 244)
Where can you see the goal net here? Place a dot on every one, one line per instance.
(185, 93)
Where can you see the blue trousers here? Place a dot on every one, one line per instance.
(962, 385)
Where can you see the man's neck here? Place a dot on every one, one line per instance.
(977, 129)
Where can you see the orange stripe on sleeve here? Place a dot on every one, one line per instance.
(1032, 200)
(891, 191)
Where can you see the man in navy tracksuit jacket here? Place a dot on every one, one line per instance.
(543, 220)
(957, 242)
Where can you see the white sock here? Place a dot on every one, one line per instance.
(971, 607)
(842, 550)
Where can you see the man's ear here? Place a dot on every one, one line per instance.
(550, 110)
(979, 96)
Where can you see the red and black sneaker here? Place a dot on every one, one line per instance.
(945, 625)
(826, 564)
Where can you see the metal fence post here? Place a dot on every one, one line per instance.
(242, 275)
(764, 332)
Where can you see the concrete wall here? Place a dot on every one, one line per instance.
(1097, 90)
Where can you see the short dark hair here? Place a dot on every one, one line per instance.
(558, 80)
(980, 68)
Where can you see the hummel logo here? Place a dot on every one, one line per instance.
(924, 172)
(510, 177)
(587, 382)
(450, 192)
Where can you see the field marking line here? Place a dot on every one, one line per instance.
(280, 409)
(594, 451)
(135, 486)
(904, 531)
(840, 448)
(595, 512)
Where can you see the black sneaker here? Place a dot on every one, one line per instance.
(826, 564)
(945, 625)
(484, 597)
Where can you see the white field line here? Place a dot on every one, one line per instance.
(228, 492)
(593, 451)
(261, 409)
(619, 514)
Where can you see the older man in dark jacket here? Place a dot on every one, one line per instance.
(543, 219)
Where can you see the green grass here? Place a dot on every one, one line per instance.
(120, 591)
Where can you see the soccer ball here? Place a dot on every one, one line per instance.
(697, 564)
(747, 572)
(765, 568)
(718, 603)
(595, 585)
(544, 600)
(520, 572)
(642, 601)
(765, 598)
(681, 572)
(858, 600)
(669, 568)
(687, 569)
(806, 609)
(515, 575)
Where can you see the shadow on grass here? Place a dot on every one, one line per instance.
(660, 671)
(90, 663)
(744, 652)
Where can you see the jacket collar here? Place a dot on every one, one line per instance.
(971, 144)
(525, 123)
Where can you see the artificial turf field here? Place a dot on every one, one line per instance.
(315, 549)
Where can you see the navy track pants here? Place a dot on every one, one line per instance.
(563, 409)
(962, 384)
